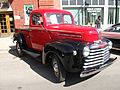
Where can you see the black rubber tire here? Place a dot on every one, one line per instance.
(58, 75)
(19, 49)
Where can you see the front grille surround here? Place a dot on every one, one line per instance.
(97, 57)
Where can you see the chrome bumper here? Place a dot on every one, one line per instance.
(92, 71)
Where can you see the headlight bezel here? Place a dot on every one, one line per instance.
(86, 51)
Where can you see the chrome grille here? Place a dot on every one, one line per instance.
(97, 57)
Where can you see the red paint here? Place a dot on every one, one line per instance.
(38, 36)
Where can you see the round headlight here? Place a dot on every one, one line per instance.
(110, 45)
(86, 51)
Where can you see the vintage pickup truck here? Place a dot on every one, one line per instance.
(53, 36)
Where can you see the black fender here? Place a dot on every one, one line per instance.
(20, 39)
(64, 50)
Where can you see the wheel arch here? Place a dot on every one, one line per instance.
(63, 51)
(19, 37)
(58, 48)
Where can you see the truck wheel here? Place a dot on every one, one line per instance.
(57, 68)
(19, 49)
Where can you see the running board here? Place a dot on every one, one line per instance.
(33, 54)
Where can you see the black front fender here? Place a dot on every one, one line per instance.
(65, 50)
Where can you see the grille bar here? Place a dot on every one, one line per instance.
(97, 50)
(96, 57)
(90, 60)
(90, 63)
(90, 66)
(92, 57)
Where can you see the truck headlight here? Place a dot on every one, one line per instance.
(86, 51)
(110, 45)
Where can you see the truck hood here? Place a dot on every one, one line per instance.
(84, 33)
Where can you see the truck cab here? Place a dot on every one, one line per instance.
(54, 37)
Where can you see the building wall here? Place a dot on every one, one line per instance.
(18, 9)
(46, 4)
(57, 4)
(84, 13)
(49, 4)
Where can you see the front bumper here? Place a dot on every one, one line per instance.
(92, 71)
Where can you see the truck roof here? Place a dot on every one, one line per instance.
(50, 10)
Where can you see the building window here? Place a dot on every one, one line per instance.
(111, 2)
(118, 2)
(92, 14)
(101, 2)
(72, 2)
(80, 2)
(94, 2)
(4, 5)
(64, 2)
(88, 2)
(111, 15)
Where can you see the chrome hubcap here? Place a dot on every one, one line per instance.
(18, 48)
(55, 68)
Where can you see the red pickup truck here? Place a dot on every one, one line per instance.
(53, 36)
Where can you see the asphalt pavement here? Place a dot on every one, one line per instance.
(27, 73)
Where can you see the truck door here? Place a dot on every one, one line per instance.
(38, 35)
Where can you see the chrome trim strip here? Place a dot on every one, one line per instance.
(91, 57)
(92, 65)
(70, 35)
(91, 73)
(95, 62)
(63, 31)
(97, 53)
(89, 60)
(83, 74)
(97, 50)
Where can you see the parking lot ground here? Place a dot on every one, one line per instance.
(26, 73)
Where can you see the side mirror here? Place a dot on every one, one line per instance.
(39, 22)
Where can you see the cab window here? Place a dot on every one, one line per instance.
(67, 19)
(37, 19)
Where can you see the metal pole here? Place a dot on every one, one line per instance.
(38, 4)
(116, 14)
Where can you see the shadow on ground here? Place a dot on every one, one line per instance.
(117, 52)
(46, 70)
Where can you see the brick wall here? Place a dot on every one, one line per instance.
(49, 4)
(57, 4)
(18, 9)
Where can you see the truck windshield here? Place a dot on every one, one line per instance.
(57, 18)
